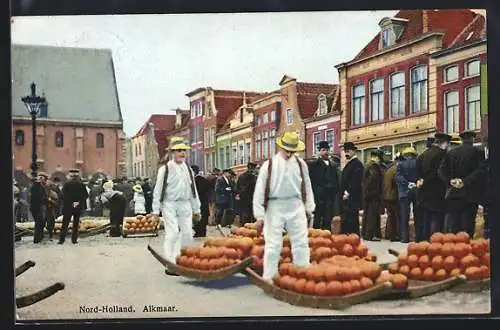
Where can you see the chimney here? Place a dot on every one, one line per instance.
(425, 21)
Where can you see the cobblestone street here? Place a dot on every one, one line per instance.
(103, 271)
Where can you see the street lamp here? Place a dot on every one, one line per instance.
(33, 104)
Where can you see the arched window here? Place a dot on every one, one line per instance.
(59, 139)
(99, 140)
(19, 137)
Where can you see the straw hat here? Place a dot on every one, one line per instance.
(409, 151)
(290, 142)
(137, 188)
(108, 185)
(178, 143)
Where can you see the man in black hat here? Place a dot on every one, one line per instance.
(325, 184)
(74, 198)
(351, 190)
(147, 189)
(431, 189)
(373, 179)
(204, 192)
(38, 204)
(223, 195)
(245, 189)
(463, 169)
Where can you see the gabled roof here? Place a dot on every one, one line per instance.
(451, 22)
(475, 31)
(161, 122)
(161, 137)
(308, 94)
(227, 103)
(78, 83)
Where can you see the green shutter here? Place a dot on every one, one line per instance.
(484, 89)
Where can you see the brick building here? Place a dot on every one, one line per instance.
(82, 125)
(389, 92)
(181, 129)
(266, 121)
(147, 142)
(324, 124)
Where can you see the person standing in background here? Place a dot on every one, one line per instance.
(325, 184)
(406, 178)
(373, 179)
(139, 200)
(115, 201)
(52, 204)
(431, 189)
(223, 195)
(391, 202)
(148, 195)
(38, 205)
(74, 197)
(245, 189)
(351, 190)
(204, 193)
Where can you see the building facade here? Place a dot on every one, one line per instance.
(128, 157)
(181, 129)
(389, 91)
(240, 127)
(81, 126)
(266, 121)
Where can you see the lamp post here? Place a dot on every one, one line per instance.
(33, 104)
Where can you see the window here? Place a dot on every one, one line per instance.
(135, 170)
(214, 159)
(388, 37)
(419, 89)
(142, 168)
(242, 153)
(207, 137)
(99, 140)
(265, 118)
(272, 142)
(258, 147)
(273, 115)
(199, 109)
(212, 136)
(200, 133)
(140, 149)
(322, 106)
(59, 139)
(316, 140)
(235, 155)
(221, 157)
(136, 150)
(472, 68)
(200, 158)
(207, 161)
(265, 146)
(193, 110)
(330, 138)
(289, 116)
(193, 157)
(473, 108)
(420, 146)
(228, 158)
(398, 94)
(192, 133)
(451, 74)
(248, 151)
(451, 119)
(241, 115)
(258, 120)
(358, 105)
(377, 99)
(19, 137)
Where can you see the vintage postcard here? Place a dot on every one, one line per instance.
(250, 164)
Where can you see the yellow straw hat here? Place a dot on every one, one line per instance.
(137, 188)
(455, 139)
(290, 142)
(409, 151)
(178, 143)
(108, 185)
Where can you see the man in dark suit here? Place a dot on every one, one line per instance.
(373, 179)
(431, 189)
(245, 189)
(223, 195)
(325, 184)
(204, 192)
(74, 199)
(406, 180)
(147, 189)
(351, 190)
(463, 169)
(212, 179)
(38, 205)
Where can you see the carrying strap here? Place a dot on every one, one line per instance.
(268, 182)
(165, 178)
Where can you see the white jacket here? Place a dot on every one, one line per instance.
(139, 203)
(178, 187)
(285, 182)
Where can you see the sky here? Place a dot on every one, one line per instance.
(160, 58)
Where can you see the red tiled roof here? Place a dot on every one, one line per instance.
(308, 97)
(161, 122)
(227, 103)
(476, 30)
(449, 21)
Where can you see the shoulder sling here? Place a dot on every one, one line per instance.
(165, 178)
(268, 182)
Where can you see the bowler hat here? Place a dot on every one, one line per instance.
(467, 135)
(349, 146)
(323, 145)
(290, 142)
(442, 136)
(195, 168)
(378, 153)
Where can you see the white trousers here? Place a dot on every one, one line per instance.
(178, 223)
(280, 214)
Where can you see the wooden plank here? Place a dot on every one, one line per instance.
(40, 295)
(24, 267)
